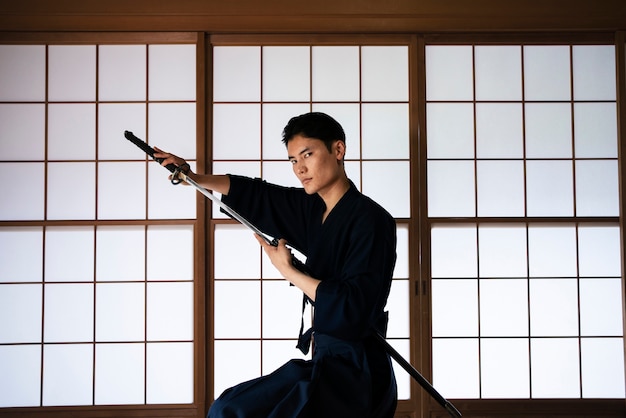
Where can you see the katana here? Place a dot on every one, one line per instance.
(178, 176)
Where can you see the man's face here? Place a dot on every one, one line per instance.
(316, 168)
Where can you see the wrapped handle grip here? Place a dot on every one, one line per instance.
(147, 149)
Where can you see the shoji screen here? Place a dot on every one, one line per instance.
(257, 89)
(524, 212)
(96, 267)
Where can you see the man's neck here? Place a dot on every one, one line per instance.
(333, 194)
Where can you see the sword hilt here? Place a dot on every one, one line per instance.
(147, 149)
(178, 172)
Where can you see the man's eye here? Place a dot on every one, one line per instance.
(292, 161)
(307, 155)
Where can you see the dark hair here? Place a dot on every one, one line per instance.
(316, 125)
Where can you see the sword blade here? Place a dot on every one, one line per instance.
(231, 212)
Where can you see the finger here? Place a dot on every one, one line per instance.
(160, 153)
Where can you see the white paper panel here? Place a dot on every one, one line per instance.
(552, 251)
(27, 194)
(553, 307)
(69, 254)
(594, 72)
(22, 130)
(236, 309)
(385, 73)
(456, 368)
(451, 188)
(454, 251)
(547, 72)
(498, 72)
(385, 131)
(75, 202)
(449, 72)
(172, 71)
(282, 309)
(286, 73)
(20, 375)
(502, 251)
(236, 73)
(500, 188)
(72, 72)
(548, 130)
(601, 311)
(120, 253)
(121, 190)
(499, 130)
(170, 311)
(379, 176)
(455, 308)
(450, 130)
(170, 252)
(233, 244)
(20, 305)
(120, 374)
(599, 251)
(68, 374)
(503, 307)
(120, 312)
(504, 368)
(335, 73)
(22, 73)
(25, 260)
(555, 371)
(595, 128)
(597, 188)
(72, 131)
(68, 313)
(122, 72)
(169, 375)
(231, 143)
(603, 367)
(549, 188)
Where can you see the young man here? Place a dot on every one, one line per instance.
(350, 245)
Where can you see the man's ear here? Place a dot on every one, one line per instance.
(340, 150)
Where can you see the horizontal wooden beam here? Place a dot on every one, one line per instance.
(322, 16)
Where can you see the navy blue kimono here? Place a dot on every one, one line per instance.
(353, 253)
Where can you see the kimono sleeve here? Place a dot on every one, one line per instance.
(276, 210)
